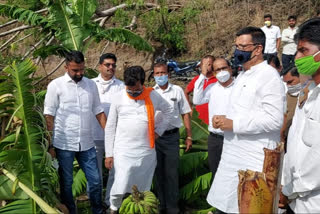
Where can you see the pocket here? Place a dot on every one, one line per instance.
(247, 96)
(310, 131)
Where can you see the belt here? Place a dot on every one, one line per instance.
(171, 131)
(216, 135)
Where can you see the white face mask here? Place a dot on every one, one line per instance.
(294, 89)
(223, 76)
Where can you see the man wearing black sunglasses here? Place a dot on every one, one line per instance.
(107, 86)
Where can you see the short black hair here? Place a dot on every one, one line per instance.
(107, 56)
(267, 16)
(159, 64)
(74, 56)
(134, 74)
(309, 31)
(272, 59)
(292, 17)
(292, 69)
(258, 36)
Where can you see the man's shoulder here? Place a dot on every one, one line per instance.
(118, 82)
(176, 87)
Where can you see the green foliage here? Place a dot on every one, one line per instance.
(28, 4)
(19, 206)
(122, 17)
(168, 27)
(124, 36)
(189, 162)
(191, 191)
(23, 151)
(27, 16)
(79, 182)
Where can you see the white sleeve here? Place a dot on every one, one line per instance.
(110, 130)
(269, 117)
(51, 102)
(167, 113)
(278, 33)
(183, 104)
(201, 96)
(96, 105)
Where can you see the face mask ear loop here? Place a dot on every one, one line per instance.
(316, 54)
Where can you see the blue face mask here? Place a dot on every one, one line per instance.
(161, 80)
(241, 57)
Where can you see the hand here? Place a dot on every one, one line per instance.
(52, 152)
(156, 136)
(188, 143)
(206, 66)
(216, 121)
(283, 201)
(226, 124)
(108, 162)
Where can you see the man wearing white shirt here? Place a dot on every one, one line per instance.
(300, 180)
(107, 85)
(273, 36)
(69, 104)
(217, 95)
(167, 146)
(130, 135)
(252, 122)
(289, 46)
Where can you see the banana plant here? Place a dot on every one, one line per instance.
(23, 150)
(69, 21)
(194, 175)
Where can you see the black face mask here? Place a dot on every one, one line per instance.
(134, 94)
(241, 57)
(77, 78)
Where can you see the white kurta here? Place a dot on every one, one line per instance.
(127, 141)
(256, 108)
(301, 171)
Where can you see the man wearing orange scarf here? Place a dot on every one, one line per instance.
(130, 135)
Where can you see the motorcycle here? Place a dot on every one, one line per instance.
(180, 69)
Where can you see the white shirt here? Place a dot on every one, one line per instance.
(127, 126)
(290, 47)
(216, 95)
(256, 108)
(106, 90)
(301, 170)
(174, 95)
(72, 105)
(272, 34)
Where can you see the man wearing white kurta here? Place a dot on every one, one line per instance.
(128, 144)
(253, 120)
(107, 86)
(273, 36)
(218, 96)
(167, 146)
(301, 171)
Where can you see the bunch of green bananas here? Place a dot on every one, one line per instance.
(140, 203)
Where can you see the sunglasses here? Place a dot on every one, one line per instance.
(112, 64)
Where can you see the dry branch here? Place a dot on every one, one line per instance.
(20, 28)
(9, 40)
(132, 24)
(111, 11)
(34, 47)
(54, 70)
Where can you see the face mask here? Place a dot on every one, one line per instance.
(267, 23)
(134, 93)
(223, 76)
(77, 78)
(307, 65)
(294, 89)
(161, 80)
(241, 57)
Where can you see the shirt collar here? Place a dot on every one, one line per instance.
(67, 78)
(157, 87)
(104, 82)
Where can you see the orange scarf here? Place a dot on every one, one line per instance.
(145, 95)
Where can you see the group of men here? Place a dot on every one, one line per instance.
(137, 128)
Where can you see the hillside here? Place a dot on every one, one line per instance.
(209, 29)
